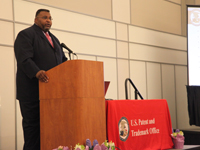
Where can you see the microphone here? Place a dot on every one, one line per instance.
(64, 46)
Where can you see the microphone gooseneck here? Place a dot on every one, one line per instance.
(70, 51)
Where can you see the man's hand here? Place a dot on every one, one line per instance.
(42, 76)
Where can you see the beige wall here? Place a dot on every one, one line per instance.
(157, 14)
(99, 8)
(160, 15)
(137, 39)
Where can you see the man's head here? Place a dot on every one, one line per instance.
(43, 19)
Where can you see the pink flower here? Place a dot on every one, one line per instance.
(103, 147)
(87, 147)
(65, 148)
(97, 147)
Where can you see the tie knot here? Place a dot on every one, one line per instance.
(46, 33)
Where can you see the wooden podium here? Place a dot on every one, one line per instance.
(72, 105)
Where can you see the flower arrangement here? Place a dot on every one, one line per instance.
(177, 132)
(178, 139)
(104, 146)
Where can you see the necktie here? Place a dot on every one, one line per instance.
(49, 38)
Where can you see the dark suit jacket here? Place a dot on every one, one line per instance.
(33, 52)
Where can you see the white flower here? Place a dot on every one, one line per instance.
(111, 144)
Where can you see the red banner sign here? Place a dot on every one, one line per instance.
(139, 124)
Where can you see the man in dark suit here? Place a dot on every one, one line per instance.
(36, 50)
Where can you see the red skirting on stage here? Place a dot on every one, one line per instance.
(139, 124)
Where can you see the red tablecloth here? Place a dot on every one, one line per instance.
(139, 124)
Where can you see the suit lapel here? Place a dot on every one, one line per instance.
(41, 34)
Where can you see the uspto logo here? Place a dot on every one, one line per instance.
(124, 129)
(195, 17)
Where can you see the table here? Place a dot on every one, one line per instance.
(139, 124)
(189, 147)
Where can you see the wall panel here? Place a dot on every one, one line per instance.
(121, 10)
(84, 57)
(123, 73)
(175, 1)
(65, 20)
(168, 86)
(87, 44)
(25, 11)
(122, 31)
(6, 30)
(122, 49)
(7, 99)
(99, 8)
(156, 54)
(138, 76)
(6, 11)
(150, 37)
(154, 87)
(82, 24)
(156, 14)
(110, 74)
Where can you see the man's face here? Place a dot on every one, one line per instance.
(44, 20)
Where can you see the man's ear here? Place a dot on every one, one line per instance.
(35, 20)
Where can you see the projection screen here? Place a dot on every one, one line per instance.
(193, 36)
